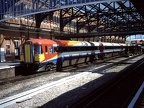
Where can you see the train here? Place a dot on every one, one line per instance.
(45, 54)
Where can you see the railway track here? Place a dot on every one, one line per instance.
(24, 75)
(28, 94)
(118, 92)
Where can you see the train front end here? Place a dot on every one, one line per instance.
(31, 55)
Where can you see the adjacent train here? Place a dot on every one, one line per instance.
(44, 54)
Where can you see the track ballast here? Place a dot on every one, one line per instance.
(118, 92)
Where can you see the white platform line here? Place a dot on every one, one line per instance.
(132, 103)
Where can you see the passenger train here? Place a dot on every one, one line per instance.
(44, 54)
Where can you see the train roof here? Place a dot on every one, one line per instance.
(42, 41)
(72, 43)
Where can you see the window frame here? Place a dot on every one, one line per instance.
(8, 49)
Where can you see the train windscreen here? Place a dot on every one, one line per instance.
(37, 49)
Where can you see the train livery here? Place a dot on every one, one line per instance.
(44, 54)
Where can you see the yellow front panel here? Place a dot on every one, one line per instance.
(39, 57)
(22, 57)
(27, 53)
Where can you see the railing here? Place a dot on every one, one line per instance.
(17, 8)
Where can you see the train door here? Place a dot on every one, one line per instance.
(28, 52)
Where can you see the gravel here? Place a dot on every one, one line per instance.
(10, 89)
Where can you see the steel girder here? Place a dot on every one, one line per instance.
(41, 16)
(114, 16)
(101, 34)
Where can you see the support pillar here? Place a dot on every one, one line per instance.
(38, 30)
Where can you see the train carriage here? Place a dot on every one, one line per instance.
(44, 54)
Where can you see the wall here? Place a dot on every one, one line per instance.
(12, 37)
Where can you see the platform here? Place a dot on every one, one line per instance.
(8, 69)
(138, 100)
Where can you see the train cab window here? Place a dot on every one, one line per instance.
(37, 49)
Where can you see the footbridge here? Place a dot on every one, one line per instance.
(17, 8)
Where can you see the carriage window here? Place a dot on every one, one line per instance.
(51, 49)
(55, 49)
(37, 49)
(59, 49)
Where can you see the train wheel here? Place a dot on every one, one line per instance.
(48, 67)
(59, 66)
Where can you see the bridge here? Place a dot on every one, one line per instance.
(118, 17)
(16, 8)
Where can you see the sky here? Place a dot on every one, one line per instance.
(135, 37)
